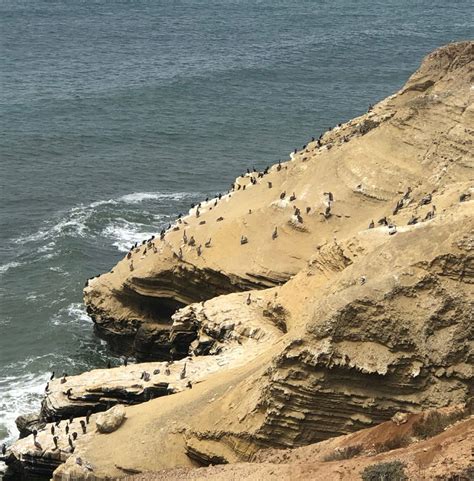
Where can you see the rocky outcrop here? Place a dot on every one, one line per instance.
(357, 265)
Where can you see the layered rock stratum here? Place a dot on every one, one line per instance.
(313, 300)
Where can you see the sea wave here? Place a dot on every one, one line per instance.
(75, 314)
(137, 197)
(125, 233)
(10, 265)
(18, 395)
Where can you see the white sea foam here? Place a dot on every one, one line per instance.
(137, 197)
(10, 265)
(19, 395)
(74, 314)
(124, 233)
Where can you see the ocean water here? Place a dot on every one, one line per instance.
(116, 115)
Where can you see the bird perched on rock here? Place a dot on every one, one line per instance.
(243, 240)
(199, 250)
(426, 199)
(52, 376)
(371, 225)
(167, 371)
(308, 210)
(270, 185)
(249, 300)
(83, 426)
(131, 266)
(180, 254)
(330, 196)
(413, 220)
(208, 243)
(52, 430)
(66, 429)
(156, 371)
(125, 361)
(275, 234)
(189, 385)
(219, 219)
(74, 436)
(46, 389)
(292, 197)
(430, 214)
(282, 195)
(4, 449)
(464, 197)
(192, 241)
(88, 416)
(109, 364)
(69, 440)
(63, 379)
(382, 221)
(183, 372)
(55, 441)
(37, 444)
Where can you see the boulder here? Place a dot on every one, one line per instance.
(111, 420)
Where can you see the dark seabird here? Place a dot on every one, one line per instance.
(156, 371)
(219, 196)
(37, 444)
(183, 372)
(238, 186)
(430, 214)
(109, 364)
(250, 211)
(297, 210)
(69, 440)
(52, 430)
(46, 389)
(215, 203)
(55, 441)
(202, 222)
(299, 218)
(308, 210)
(167, 371)
(57, 423)
(208, 243)
(88, 416)
(131, 266)
(330, 196)
(382, 221)
(199, 250)
(282, 195)
(243, 240)
(66, 429)
(413, 220)
(83, 426)
(275, 234)
(279, 165)
(426, 199)
(74, 436)
(4, 449)
(143, 243)
(398, 207)
(180, 254)
(52, 376)
(292, 197)
(125, 361)
(244, 187)
(68, 393)
(464, 197)
(371, 225)
(185, 237)
(249, 300)
(192, 241)
(219, 219)
(189, 385)
(129, 255)
(270, 185)
(35, 433)
(146, 376)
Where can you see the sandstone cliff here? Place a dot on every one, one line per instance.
(348, 298)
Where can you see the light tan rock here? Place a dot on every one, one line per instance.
(110, 420)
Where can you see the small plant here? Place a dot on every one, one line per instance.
(394, 443)
(344, 453)
(392, 471)
(435, 423)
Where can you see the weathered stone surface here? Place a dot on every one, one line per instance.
(28, 422)
(110, 420)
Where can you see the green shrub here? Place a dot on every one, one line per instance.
(392, 471)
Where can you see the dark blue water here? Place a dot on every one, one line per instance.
(115, 116)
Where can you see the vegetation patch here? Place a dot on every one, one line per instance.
(344, 453)
(392, 471)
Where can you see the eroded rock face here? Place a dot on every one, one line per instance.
(374, 312)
